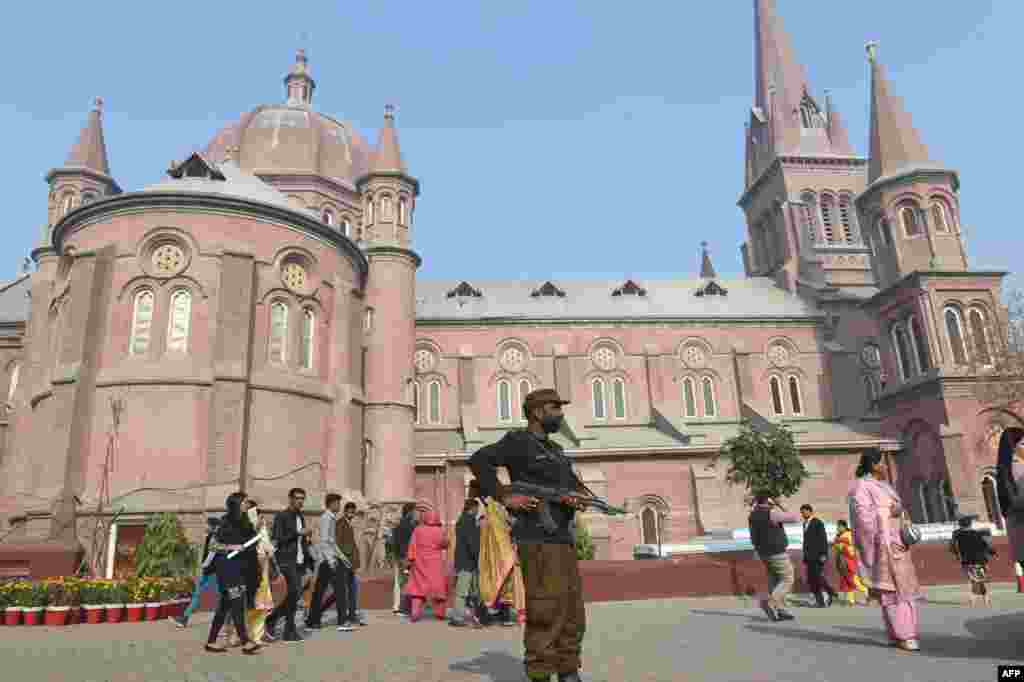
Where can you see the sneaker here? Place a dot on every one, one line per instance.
(770, 611)
(784, 615)
(179, 621)
(457, 623)
(293, 637)
(314, 626)
(345, 627)
(268, 639)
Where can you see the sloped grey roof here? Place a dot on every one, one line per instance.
(754, 297)
(14, 303)
(237, 183)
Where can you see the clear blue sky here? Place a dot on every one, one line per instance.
(553, 139)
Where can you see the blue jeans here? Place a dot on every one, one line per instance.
(206, 582)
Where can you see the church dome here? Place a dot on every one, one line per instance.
(291, 138)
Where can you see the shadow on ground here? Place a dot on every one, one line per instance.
(498, 666)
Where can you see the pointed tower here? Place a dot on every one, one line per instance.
(85, 176)
(910, 209)
(299, 85)
(388, 193)
(707, 270)
(801, 175)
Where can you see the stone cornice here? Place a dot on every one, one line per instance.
(191, 201)
(401, 175)
(777, 163)
(809, 321)
(910, 175)
(389, 250)
(302, 179)
(918, 278)
(87, 172)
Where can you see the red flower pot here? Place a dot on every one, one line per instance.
(33, 615)
(75, 615)
(115, 613)
(94, 613)
(56, 615)
(12, 615)
(153, 610)
(133, 613)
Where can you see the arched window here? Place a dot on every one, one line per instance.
(15, 373)
(710, 408)
(988, 493)
(69, 203)
(142, 321)
(846, 218)
(619, 398)
(902, 348)
(980, 336)
(416, 406)
(368, 320)
(689, 398)
(884, 232)
(278, 346)
(776, 389)
(911, 221)
(346, 228)
(649, 522)
(386, 208)
(524, 390)
(810, 216)
(828, 217)
(597, 386)
(328, 217)
(955, 332)
(504, 401)
(920, 346)
(795, 398)
(403, 214)
(434, 389)
(369, 212)
(940, 216)
(180, 321)
(308, 336)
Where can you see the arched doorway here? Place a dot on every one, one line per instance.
(988, 492)
(650, 526)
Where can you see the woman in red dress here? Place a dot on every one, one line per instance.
(427, 575)
(846, 564)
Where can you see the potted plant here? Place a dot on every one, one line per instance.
(35, 604)
(117, 599)
(17, 591)
(6, 599)
(57, 606)
(183, 590)
(135, 608)
(94, 594)
(153, 593)
(73, 586)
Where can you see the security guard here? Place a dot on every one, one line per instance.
(555, 615)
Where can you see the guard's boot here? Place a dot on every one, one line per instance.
(569, 677)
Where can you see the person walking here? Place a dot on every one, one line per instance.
(290, 536)
(816, 557)
(345, 538)
(330, 572)
(467, 557)
(206, 581)
(229, 562)
(847, 566)
(974, 551)
(1010, 488)
(400, 536)
(877, 522)
(427, 580)
(555, 614)
(262, 600)
(768, 535)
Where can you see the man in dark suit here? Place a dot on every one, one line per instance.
(290, 536)
(816, 556)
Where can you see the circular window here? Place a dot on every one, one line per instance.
(778, 354)
(423, 359)
(694, 356)
(168, 259)
(871, 357)
(294, 276)
(513, 359)
(604, 358)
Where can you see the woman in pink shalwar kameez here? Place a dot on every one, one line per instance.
(427, 575)
(876, 511)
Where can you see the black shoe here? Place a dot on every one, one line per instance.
(293, 637)
(179, 621)
(770, 611)
(314, 626)
(569, 677)
(782, 614)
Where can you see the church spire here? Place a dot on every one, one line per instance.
(299, 85)
(90, 152)
(388, 156)
(896, 145)
(707, 270)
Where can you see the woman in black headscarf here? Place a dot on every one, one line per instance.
(1010, 488)
(234, 531)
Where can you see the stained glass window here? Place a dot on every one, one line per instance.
(180, 320)
(278, 332)
(142, 321)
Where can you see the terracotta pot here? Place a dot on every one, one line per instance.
(75, 615)
(133, 613)
(153, 610)
(94, 613)
(33, 615)
(12, 615)
(56, 615)
(115, 613)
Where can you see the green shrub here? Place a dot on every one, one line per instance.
(165, 552)
(584, 543)
(764, 462)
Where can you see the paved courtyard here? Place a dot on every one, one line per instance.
(723, 639)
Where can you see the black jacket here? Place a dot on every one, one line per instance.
(467, 542)
(815, 540)
(401, 536)
(529, 459)
(768, 537)
(972, 546)
(285, 536)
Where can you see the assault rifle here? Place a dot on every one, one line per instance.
(549, 496)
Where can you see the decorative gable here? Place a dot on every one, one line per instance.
(465, 289)
(630, 288)
(195, 166)
(548, 289)
(712, 288)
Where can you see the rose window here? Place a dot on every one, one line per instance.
(294, 276)
(778, 355)
(168, 259)
(513, 359)
(423, 359)
(604, 358)
(694, 356)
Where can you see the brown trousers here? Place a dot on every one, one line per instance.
(555, 616)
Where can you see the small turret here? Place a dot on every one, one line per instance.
(389, 192)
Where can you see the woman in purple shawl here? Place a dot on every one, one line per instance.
(884, 559)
